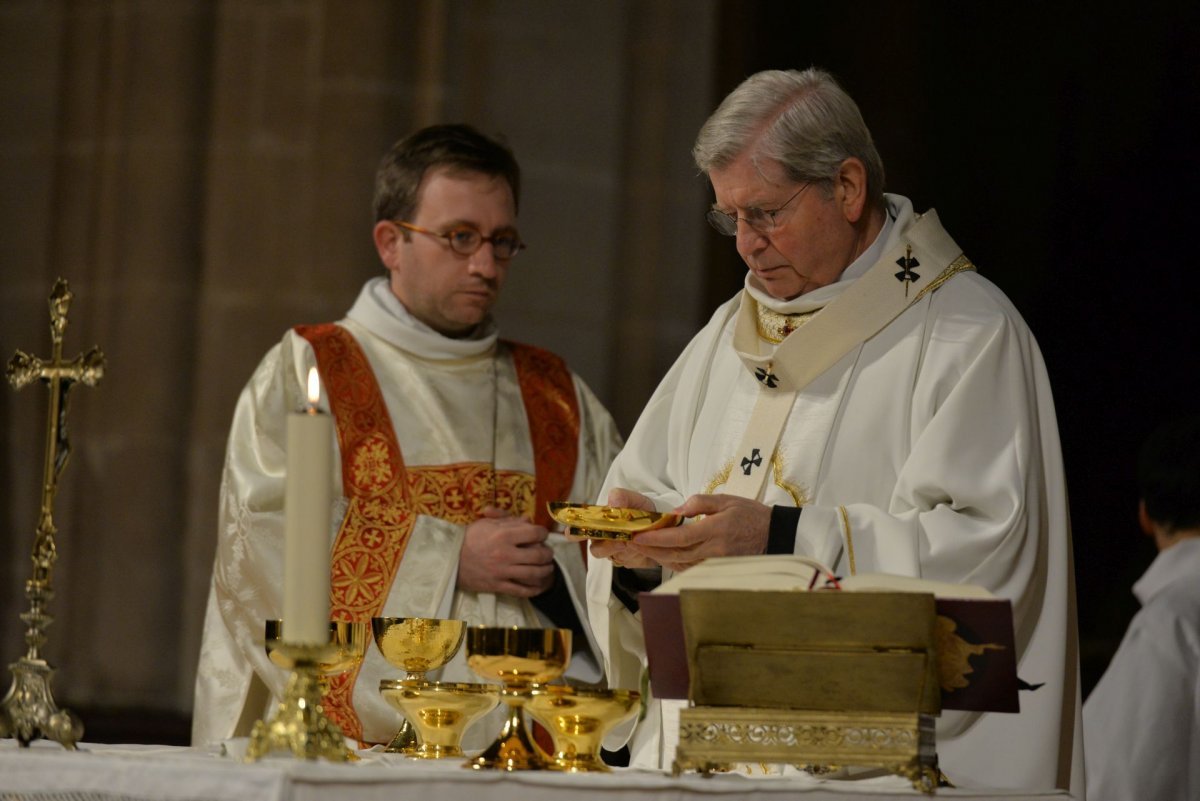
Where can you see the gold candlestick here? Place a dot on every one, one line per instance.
(28, 711)
(299, 725)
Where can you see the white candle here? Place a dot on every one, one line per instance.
(306, 507)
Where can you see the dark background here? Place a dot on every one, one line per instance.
(1060, 150)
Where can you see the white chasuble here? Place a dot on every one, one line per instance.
(921, 444)
(457, 409)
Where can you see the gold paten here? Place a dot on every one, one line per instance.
(299, 725)
(578, 718)
(819, 678)
(522, 659)
(28, 711)
(441, 712)
(415, 645)
(609, 522)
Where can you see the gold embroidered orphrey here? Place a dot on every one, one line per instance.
(28, 711)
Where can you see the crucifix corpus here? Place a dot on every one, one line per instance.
(28, 710)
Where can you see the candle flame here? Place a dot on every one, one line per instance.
(314, 387)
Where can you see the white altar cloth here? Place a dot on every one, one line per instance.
(97, 772)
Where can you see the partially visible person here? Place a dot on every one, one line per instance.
(1141, 723)
(868, 400)
(450, 441)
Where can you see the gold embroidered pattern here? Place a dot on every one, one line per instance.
(774, 326)
(960, 265)
(799, 495)
(372, 466)
(720, 478)
(359, 580)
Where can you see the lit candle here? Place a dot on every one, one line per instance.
(306, 507)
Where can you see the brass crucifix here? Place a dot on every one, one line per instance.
(28, 711)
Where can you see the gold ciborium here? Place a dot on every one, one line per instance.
(441, 712)
(415, 645)
(522, 659)
(578, 718)
(350, 638)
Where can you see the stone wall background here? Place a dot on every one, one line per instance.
(201, 173)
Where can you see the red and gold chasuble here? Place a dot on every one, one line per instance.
(385, 498)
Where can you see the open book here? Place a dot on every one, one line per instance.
(793, 572)
(974, 633)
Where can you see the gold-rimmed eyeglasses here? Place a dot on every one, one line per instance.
(465, 240)
(761, 220)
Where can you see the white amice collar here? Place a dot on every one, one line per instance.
(898, 218)
(381, 312)
(1179, 562)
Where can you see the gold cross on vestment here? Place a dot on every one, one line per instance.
(28, 711)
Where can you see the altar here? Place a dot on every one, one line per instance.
(97, 772)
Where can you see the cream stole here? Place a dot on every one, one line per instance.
(920, 260)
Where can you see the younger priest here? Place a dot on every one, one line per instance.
(451, 442)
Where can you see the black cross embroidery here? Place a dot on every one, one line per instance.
(751, 462)
(767, 377)
(906, 274)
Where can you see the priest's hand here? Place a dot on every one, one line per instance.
(624, 554)
(505, 554)
(720, 525)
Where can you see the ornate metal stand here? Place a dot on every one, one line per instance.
(299, 725)
(711, 738)
(28, 711)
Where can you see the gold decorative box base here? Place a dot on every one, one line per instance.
(711, 738)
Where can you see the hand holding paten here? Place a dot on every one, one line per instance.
(624, 553)
(505, 554)
(720, 525)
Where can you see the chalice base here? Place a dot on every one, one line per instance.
(440, 713)
(578, 762)
(405, 742)
(512, 750)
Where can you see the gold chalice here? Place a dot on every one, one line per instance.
(522, 659)
(415, 645)
(440, 712)
(578, 719)
(350, 638)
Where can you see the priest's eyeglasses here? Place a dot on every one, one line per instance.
(465, 240)
(761, 220)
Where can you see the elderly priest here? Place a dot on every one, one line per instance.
(868, 400)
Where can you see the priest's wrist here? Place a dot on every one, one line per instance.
(781, 536)
(627, 582)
